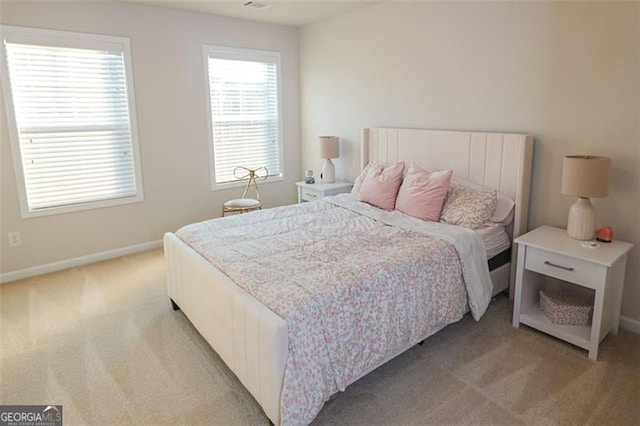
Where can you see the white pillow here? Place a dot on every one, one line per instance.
(504, 210)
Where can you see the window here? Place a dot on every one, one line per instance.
(244, 111)
(72, 127)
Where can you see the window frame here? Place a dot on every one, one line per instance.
(239, 53)
(71, 40)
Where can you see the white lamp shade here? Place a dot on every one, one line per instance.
(585, 176)
(329, 147)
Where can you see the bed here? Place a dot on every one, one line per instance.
(255, 342)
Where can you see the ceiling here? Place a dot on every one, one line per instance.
(292, 13)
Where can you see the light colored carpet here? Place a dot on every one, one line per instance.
(103, 341)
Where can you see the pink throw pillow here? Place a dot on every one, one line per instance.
(381, 185)
(422, 194)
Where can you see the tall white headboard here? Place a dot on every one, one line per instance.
(497, 160)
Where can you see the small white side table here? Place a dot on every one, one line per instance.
(315, 191)
(549, 259)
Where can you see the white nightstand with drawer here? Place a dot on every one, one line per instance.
(548, 259)
(315, 191)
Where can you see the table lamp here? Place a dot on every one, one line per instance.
(584, 176)
(329, 148)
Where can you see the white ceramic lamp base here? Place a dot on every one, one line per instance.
(328, 171)
(582, 220)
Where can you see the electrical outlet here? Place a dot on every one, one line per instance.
(15, 240)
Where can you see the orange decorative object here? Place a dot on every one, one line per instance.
(604, 234)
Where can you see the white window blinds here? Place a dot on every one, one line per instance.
(245, 111)
(73, 124)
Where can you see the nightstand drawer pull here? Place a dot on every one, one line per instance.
(308, 194)
(566, 268)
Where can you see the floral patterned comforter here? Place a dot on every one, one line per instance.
(354, 284)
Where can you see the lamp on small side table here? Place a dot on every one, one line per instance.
(584, 176)
(329, 148)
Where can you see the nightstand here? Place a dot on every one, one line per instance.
(548, 259)
(315, 191)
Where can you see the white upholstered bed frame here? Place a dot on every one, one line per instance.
(250, 338)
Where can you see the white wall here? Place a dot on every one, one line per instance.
(567, 72)
(170, 91)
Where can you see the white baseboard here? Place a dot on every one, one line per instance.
(630, 324)
(77, 261)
